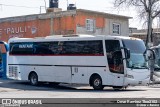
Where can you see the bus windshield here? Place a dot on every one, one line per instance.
(137, 58)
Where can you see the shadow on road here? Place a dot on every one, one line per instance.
(24, 85)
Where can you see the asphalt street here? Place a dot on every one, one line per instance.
(19, 89)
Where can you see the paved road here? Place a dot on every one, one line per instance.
(17, 89)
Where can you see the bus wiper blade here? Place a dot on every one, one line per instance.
(136, 66)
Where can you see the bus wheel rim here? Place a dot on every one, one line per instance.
(97, 82)
(34, 79)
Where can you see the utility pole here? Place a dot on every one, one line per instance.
(45, 5)
(67, 3)
(149, 30)
(149, 37)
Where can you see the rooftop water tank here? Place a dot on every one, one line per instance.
(71, 7)
(53, 3)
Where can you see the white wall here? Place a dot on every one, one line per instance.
(108, 29)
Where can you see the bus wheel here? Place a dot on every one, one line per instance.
(117, 88)
(33, 79)
(97, 83)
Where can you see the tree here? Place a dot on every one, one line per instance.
(148, 9)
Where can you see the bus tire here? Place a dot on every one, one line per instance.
(97, 83)
(33, 78)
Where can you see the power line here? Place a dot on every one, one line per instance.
(18, 6)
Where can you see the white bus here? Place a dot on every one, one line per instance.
(99, 61)
(156, 64)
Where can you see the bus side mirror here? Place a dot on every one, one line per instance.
(127, 53)
(149, 54)
(157, 69)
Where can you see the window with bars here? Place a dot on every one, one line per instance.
(90, 24)
(116, 28)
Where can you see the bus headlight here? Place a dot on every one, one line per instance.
(129, 76)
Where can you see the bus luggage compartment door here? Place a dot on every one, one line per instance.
(79, 74)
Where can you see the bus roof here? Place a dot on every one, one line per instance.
(70, 37)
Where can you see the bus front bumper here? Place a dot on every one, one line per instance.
(134, 82)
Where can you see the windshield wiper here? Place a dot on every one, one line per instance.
(138, 66)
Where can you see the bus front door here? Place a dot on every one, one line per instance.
(115, 62)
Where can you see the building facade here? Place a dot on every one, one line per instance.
(142, 34)
(77, 21)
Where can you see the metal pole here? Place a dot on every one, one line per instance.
(45, 5)
(67, 3)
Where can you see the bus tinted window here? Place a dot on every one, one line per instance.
(42, 48)
(83, 47)
(134, 46)
(58, 48)
(114, 56)
(21, 48)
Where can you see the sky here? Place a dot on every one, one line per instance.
(11, 8)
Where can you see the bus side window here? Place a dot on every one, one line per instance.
(42, 48)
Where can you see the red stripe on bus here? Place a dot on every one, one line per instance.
(56, 55)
